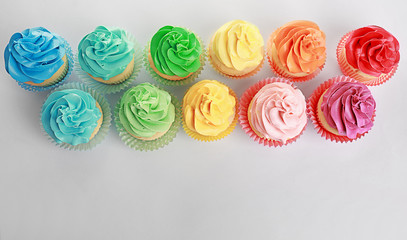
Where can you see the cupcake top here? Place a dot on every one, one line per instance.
(70, 116)
(277, 112)
(105, 52)
(238, 45)
(175, 51)
(348, 107)
(299, 46)
(372, 50)
(208, 107)
(34, 54)
(146, 110)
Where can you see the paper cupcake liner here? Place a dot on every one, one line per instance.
(312, 105)
(149, 145)
(247, 75)
(104, 128)
(221, 135)
(113, 88)
(244, 107)
(277, 70)
(58, 82)
(349, 71)
(181, 82)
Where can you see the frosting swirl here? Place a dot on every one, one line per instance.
(238, 45)
(299, 46)
(208, 107)
(175, 51)
(348, 107)
(278, 112)
(146, 110)
(34, 55)
(70, 116)
(372, 50)
(105, 52)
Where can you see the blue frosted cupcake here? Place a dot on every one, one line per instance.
(37, 57)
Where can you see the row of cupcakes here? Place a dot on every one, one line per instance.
(273, 112)
(108, 59)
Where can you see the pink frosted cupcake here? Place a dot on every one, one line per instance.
(369, 55)
(342, 109)
(273, 112)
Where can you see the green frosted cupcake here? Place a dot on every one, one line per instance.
(146, 115)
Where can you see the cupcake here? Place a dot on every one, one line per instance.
(37, 57)
(342, 109)
(236, 49)
(145, 112)
(369, 55)
(71, 116)
(273, 112)
(297, 50)
(209, 110)
(107, 55)
(175, 53)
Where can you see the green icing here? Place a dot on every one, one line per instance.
(175, 51)
(146, 110)
(105, 52)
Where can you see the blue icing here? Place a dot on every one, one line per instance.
(70, 116)
(34, 55)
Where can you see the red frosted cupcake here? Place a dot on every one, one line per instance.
(369, 55)
(342, 109)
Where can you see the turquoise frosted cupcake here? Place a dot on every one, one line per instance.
(73, 116)
(109, 56)
(37, 58)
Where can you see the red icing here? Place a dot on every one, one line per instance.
(372, 50)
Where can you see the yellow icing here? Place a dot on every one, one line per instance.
(238, 45)
(208, 107)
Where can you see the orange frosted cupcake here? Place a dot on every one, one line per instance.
(369, 55)
(297, 50)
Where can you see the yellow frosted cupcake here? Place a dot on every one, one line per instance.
(236, 49)
(209, 110)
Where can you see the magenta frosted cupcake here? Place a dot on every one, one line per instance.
(369, 55)
(342, 109)
(273, 112)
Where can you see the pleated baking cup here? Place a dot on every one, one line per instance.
(312, 110)
(113, 88)
(104, 128)
(65, 75)
(247, 75)
(245, 101)
(180, 82)
(149, 145)
(280, 72)
(357, 74)
(221, 135)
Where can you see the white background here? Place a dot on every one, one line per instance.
(231, 189)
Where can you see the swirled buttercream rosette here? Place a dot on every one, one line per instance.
(297, 51)
(205, 108)
(177, 49)
(35, 58)
(149, 145)
(245, 101)
(114, 88)
(373, 49)
(102, 104)
(312, 111)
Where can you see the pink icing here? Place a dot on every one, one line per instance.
(278, 111)
(373, 50)
(349, 107)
